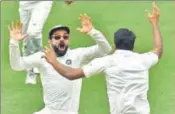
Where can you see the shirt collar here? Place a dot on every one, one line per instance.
(120, 51)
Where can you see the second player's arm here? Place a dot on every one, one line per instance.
(68, 72)
(101, 48)
(154, 20)
(158, 45)
(96, 66)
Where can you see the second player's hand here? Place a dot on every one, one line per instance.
(50, 55)
(154, 17)
(16, 31)
(86, 24)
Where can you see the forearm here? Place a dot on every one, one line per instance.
(15, 57)
(158, 45)
(68, 72)
(103, 46)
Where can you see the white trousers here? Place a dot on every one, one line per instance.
(33, 15)
(49, 111)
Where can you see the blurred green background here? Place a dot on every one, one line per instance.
(18, 98)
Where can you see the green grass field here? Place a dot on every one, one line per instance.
(18, 98)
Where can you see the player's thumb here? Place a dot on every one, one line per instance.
(79, 29)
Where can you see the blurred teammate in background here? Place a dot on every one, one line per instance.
(33, 15)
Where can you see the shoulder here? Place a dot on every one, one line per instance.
(148, 55)
(77, 51)
(103, 60)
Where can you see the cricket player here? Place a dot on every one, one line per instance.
(33, 15)
(61, 96)
(126, 71)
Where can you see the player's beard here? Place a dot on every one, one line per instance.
(58, 52)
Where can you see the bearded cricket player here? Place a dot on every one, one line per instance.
(61, 95)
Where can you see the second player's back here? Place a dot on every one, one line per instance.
(129, 67)
(127, 77)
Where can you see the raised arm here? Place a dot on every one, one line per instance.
(102, 46)
(154, 20)
(17, 62)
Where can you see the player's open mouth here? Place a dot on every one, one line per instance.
(62, 47)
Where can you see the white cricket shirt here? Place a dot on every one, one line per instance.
(126, 78)
(59, 92)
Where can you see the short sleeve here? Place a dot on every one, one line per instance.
(149, 59)
(95, 66)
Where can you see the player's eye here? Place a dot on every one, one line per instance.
(57, 37)
(66, 37)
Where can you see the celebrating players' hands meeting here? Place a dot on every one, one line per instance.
(86, 23)
(50, 55)
(16, 31)
(154, 17)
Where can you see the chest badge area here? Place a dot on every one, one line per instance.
(68, 61)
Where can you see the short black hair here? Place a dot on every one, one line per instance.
(124, 39)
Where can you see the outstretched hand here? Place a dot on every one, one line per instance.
(154, 17)
(86, 24)
(16, 31)
(50, 55)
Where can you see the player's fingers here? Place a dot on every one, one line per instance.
(86, 18)
(89, 19)
(12, 25)
(155, 8)
(85, 15)
(79, 29)
(9, 28)
(24, 36)
(44, 56)
(50, 45)
(45, 52)
(17, 24)
(47, 49)
(81, 17)
(20, 26)
(148, 13)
